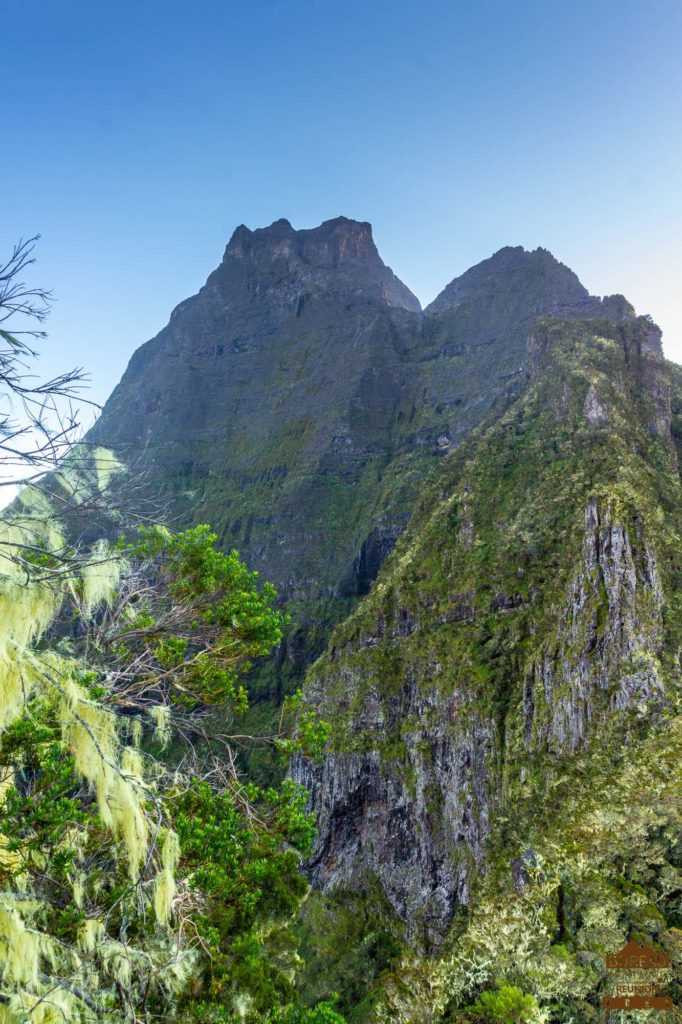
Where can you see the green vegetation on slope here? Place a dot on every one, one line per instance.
(529, 623)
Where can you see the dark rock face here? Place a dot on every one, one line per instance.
(269, 404)
(365, 569)
(339, 257)
(404, 827)
(300, 398)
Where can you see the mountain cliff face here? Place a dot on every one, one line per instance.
(528, 622)
(499, 802)
(298, 402)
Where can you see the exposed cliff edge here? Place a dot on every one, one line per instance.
(532, 598)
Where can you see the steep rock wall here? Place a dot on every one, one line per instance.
(529, 600)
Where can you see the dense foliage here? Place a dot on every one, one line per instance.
(137, 883)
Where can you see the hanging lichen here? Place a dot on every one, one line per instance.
(107, 656)
(165, 883)
(44, 978)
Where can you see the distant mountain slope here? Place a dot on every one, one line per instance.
(300, 399)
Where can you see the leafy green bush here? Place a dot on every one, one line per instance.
(505, 1005)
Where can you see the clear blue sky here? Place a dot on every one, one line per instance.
(139, 135)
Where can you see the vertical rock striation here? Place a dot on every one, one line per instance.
(525, 605)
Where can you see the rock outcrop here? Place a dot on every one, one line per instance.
(525, 605)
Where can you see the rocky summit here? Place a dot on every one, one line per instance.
(300, 399)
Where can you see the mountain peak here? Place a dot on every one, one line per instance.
(338, 254)
(353, 239)
(520, 253)
(515, 285)
(283, 228)
(534, 277)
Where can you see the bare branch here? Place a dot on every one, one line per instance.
(16, 298)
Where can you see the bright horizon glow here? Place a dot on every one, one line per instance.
(142, 135)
